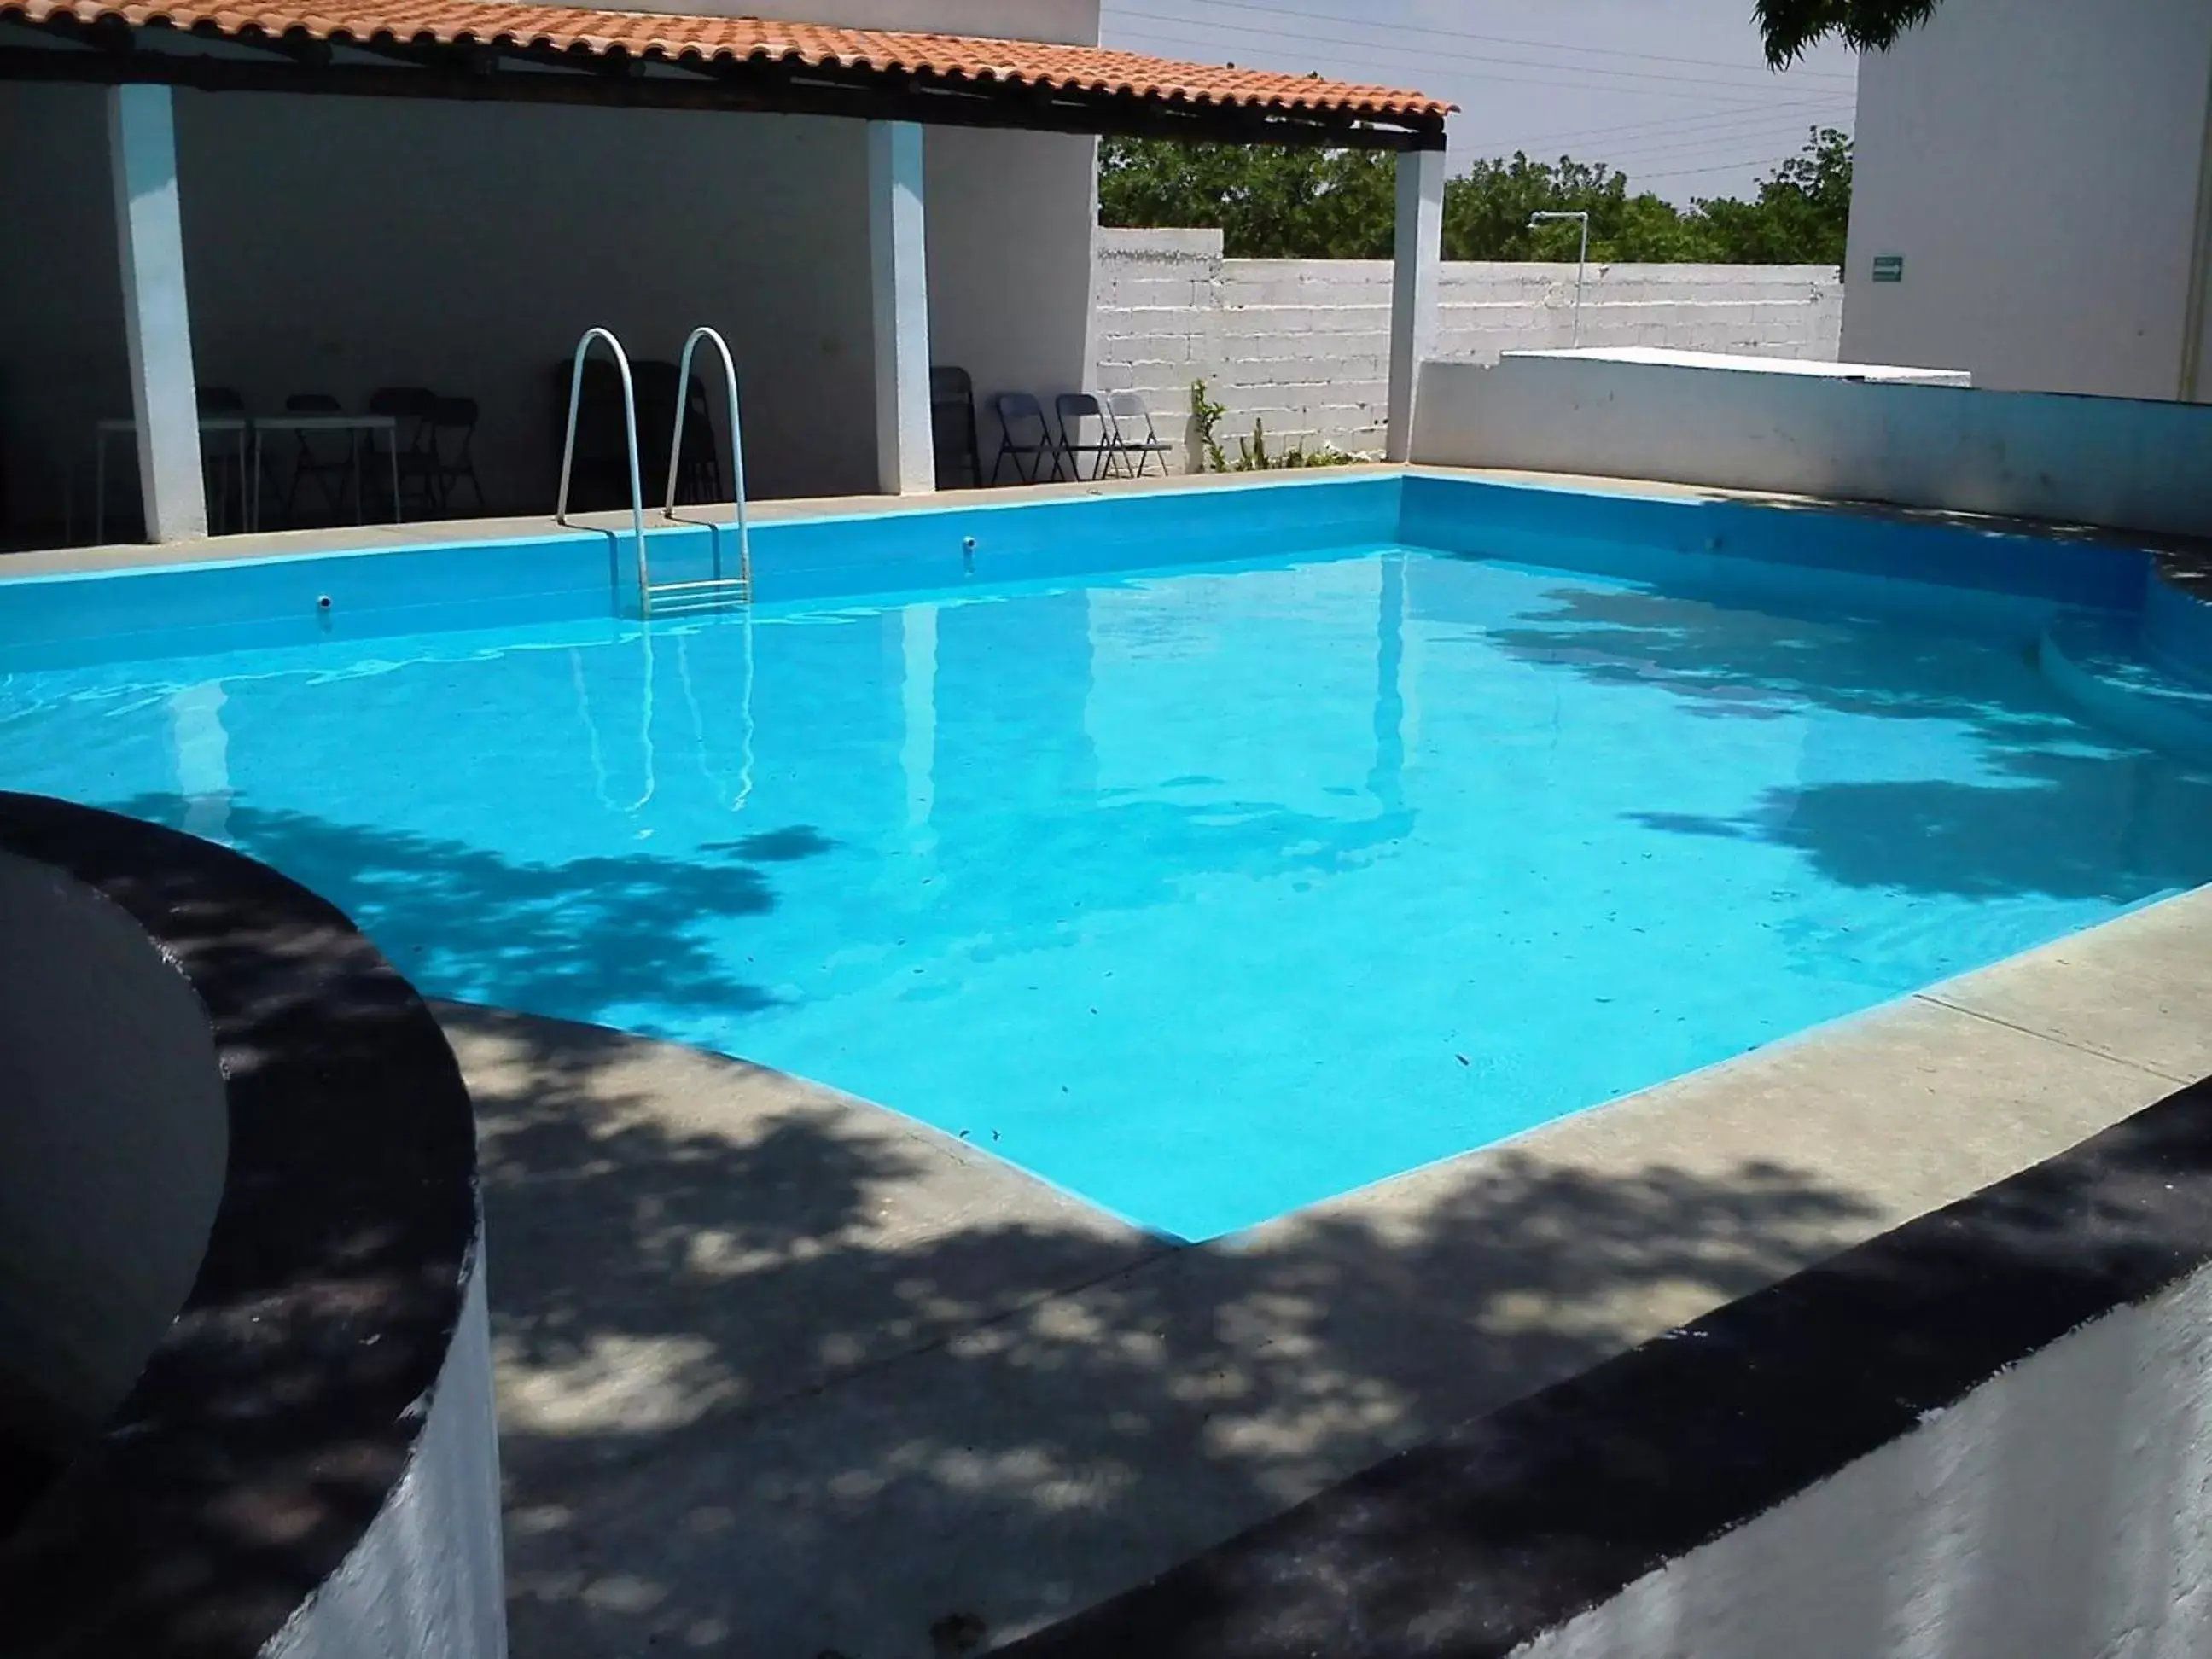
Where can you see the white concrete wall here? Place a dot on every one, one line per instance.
(2133, 464)
(62, 358)
(337, 244)
(2038, 167)
(114, 1133)
(2062, 1509)
(1011, 220)
(1305, 344)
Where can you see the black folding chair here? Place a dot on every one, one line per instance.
(1127, 410)
(416, 462)
(328, 465)
(222, 458)
(952, 428)
(1018, 413)
(1072, 409)
(699, 469)
(452, 427)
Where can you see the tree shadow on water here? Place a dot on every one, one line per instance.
(782, 1373)
(2055, 807)
(463, 920)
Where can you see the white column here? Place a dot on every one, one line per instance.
(142, 150)
(904, 464)
(1415, 278)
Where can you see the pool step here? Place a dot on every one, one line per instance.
(2098, 659)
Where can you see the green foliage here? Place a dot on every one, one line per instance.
(1799, 216)
(1788, 26)
(1269, 203)
(1205, 415)
(1288, 203)
(1252, 453)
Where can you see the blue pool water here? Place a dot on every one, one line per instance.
(1205, 892)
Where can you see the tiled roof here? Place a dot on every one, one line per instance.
(1092, 70)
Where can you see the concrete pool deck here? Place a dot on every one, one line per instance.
(783, 1373)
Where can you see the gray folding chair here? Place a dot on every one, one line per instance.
(952, 427)
(1127, 411)
(1072, 409)
(1019, 414)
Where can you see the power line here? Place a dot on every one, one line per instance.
(1426, 53)
(1767, 160)
(1501, 40)
(1689, 147)
(1373, 53)
(1709, 125)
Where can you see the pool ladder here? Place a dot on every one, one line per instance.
(709, 593)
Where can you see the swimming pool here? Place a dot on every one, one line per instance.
(1207, 853)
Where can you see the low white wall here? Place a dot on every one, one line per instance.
(2063, 1509)
(428, 1580)
(1305, 345)
(2133, 465)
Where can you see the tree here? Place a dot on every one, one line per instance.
(1269, 202)
(1790, 27)
(1340, 205)
(1800, 216)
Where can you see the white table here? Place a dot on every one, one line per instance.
(357, 426)
(216, 425)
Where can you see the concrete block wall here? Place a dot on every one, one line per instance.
(1305, 345)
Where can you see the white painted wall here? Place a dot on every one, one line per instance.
(2037, 166)
(62, 360)
(2062, 1509)
(1011, 216)
(1305, 345)
(2134, 463)
(338, 245)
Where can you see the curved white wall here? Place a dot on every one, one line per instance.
(113, 1136)
(428, 1580)
(2062, 1509)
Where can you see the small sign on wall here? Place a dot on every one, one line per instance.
(1889, 267)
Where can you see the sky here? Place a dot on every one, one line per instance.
(1675, 93)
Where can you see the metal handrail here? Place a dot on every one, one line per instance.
(629, 435)
(736, 460)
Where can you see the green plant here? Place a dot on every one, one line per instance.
(1252, 455)
(1252, 452)
(1205, 415)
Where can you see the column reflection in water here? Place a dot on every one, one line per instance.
(201, 747)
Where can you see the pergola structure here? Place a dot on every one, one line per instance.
(481, 51)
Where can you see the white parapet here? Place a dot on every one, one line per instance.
(1842, 431)
(1746, 363)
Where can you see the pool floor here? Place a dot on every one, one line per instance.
(1204, 894)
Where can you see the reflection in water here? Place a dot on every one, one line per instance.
(202, 754)
(918, 703)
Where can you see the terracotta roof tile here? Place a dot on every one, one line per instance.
(1093, 70)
